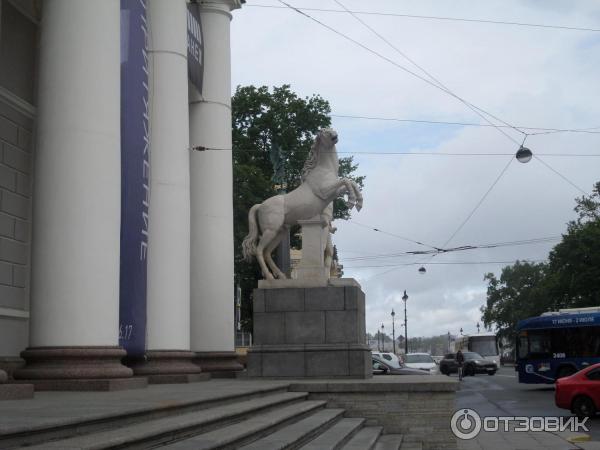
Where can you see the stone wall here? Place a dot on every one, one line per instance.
(418, 407)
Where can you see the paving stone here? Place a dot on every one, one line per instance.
(389, 442)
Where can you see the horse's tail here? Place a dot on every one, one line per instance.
(249, 242)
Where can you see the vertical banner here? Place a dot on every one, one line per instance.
(195, 47)
(135, 173)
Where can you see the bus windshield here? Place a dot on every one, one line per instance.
(484, 345)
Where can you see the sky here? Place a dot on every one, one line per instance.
(525, 76)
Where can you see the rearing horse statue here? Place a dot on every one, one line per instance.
(269, 220)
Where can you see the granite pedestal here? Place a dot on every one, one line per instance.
(309, 332)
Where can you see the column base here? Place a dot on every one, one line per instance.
(219, 364)
(168, 367)
(77, 369)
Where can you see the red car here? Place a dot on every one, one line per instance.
(580, 392)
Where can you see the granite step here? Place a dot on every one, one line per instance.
(63, 427)
(365, 439)
(411, 446)
(251, 429)
(336, 436)
(389, 442)
(167, 429)
(293, 435)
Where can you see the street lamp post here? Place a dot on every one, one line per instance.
(448, 342)
(405, 298)
(393, 331)
(382, 339)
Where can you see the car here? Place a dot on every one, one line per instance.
(421, 361)
(580, 392)
(389, 358)
(474, 363)
(381, 367)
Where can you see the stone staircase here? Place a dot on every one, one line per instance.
(275, 419)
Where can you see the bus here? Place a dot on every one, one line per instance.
(557, 344)
(485, 344)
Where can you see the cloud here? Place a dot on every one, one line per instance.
(527, 76)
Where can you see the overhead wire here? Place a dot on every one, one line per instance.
(543, 240)
(590, 130)
(450, 263)
(559, 174)
(401, 67)
(441, 85)
(440, 18)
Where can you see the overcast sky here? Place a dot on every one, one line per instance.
(526, 76)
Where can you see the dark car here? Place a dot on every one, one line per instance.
(580, 392)
(474, 363)
(381, 367)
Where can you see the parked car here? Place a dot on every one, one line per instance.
(580, 392)
(381, 367)
(421, 361)
(389, 358)
(474, 363)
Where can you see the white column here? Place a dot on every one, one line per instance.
(77, 187)
(212, 290)
(168, 297)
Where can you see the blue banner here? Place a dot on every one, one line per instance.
(135, 173)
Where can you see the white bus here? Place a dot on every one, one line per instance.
(485, 344)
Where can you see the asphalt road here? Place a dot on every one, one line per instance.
(502, 394)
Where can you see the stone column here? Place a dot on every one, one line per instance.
(76, 214)
(169, 358)
(212, 288)
(314, 240)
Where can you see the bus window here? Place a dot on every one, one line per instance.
(539, 344)
(523, 345)
(590, 341)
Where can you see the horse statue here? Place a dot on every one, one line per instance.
(269, 220)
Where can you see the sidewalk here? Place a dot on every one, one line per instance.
(511, 440)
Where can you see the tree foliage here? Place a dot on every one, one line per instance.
(262, 119)
(570, 279)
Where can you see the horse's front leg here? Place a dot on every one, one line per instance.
(359, 197)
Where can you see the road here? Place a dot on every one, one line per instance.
(502, 394)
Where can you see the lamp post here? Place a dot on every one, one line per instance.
(393, 331)
(404, 299)
(477, 327)
(382, 339)
(448, 342)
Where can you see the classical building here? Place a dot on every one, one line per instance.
(116, 223)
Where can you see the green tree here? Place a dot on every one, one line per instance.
(574, 267)
(520, 292)
(261, 120)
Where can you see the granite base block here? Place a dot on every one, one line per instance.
(89, 384)
(178, 378)
(16, 391)
(313, 332)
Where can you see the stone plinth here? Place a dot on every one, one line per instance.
(313, 332)
(13, 391)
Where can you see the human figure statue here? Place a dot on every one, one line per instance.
(321, 185)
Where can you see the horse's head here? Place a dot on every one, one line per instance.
(327, 137)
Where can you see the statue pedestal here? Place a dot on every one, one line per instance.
(310, 332)
(314, 240)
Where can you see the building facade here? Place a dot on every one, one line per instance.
(67, 202)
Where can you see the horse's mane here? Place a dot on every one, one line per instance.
(311, 160)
